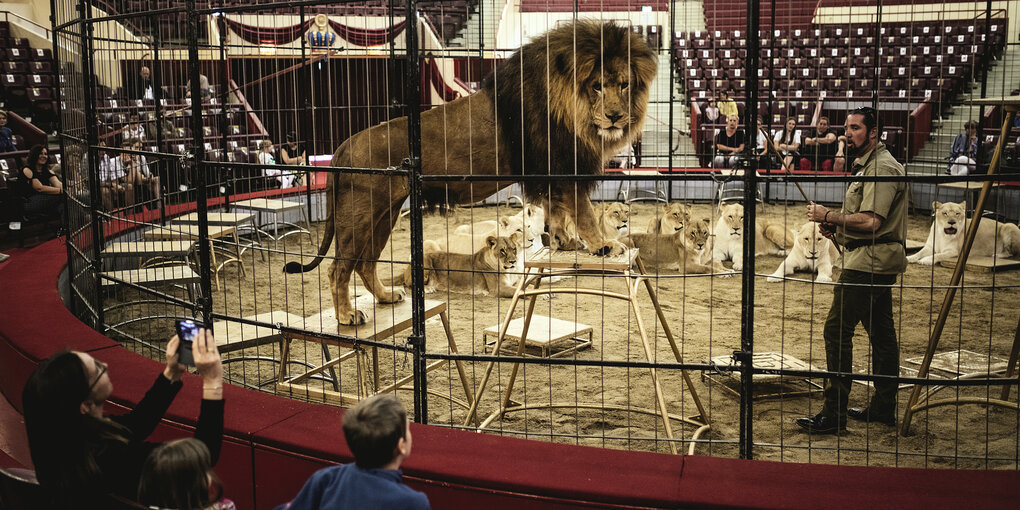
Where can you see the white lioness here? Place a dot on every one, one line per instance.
(945, 239)
(680, 250)
(769, 238)
(811, 252)
(611, 218)
(480, 271)
(669, 218)
(530, 222)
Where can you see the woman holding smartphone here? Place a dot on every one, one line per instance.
(80, 454)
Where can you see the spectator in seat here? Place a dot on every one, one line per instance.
(203, 85)
(839, 164)
(134, 128)
(141, 176)
(728, 143)
(787, 142)
(819, 151)
(6, 135)
(141, 87)
(285, 180)
(114, 181)
(727, 107)
(178, 474)
(293, 154)
(80, 453)
(963, 154)
(164, 124)
(711, 112)
(39, 187)
(379, 434)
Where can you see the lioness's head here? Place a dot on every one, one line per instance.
(517, 225)
(672, 217)
(502, 251)
(534, 220)
(602, 89)
(697, 233)
(810, 240)
(949, 216)
(615, 215)
(732, 216)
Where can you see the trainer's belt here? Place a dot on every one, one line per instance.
(858, 243)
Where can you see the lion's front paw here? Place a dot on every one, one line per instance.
(824, 278)
(348, 316)
(611, 249)
(429, 289)
(926, 261)
(737, 265)
(390, 295)
(774, 279)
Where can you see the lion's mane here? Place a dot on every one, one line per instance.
(543, 106)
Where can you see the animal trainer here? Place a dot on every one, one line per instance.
(871, 227)
(563, 104)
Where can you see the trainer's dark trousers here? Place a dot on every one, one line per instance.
(861, 297)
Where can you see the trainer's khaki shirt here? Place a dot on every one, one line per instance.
(885, 252)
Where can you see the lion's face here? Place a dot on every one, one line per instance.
(673, 217)
(517, 225)
(949, 216)
(609, 95)
(810, 241)
(697, 233)
(502, 251)
(534, 220)
(615, 215)
(733, 217)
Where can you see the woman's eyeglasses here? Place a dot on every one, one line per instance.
(102, 370)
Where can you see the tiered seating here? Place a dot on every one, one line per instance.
(914, 61)
(732, 14)
(592, 5)
(27, 83)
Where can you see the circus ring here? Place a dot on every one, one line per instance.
(272, 443)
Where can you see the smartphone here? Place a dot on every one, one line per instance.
(186, 331)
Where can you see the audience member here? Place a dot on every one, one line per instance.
(178, 474)
(963, 154)
(711, 112)
(134, 128)
(379, 434)
(761, 148)
(727, 107)
(39, 187)
(162, 120)
(839, 164)
(787, 142)
(6, 135)
(294, 154)
(114, 181)
(80, 455)
(821, 148)
(203, 85)
(728, 143)
(285, 180)
(141, 87)
(140, 175)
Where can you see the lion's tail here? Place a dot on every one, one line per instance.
(327, 236)
(778, 234)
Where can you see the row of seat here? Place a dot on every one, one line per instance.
(732, 14)
(592, 5)
(27, 83)
(920, 33)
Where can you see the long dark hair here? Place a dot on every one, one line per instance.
(178, 474)
(32, 160)
(788, 135)
(64, 443)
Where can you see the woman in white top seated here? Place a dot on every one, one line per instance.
(286, 180)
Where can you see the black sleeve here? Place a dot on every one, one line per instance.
(142, 420)
(210, 427)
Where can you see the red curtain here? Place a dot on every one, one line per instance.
(367, 36)
(286, 35)
(445, 91)
(268, 35)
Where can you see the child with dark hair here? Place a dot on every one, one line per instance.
(178, 474)
(379, 435)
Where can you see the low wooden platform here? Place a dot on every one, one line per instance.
(545, 333)
(163, 275)
(986, 264)
(149, 248)
(234, 336)
(766, 385)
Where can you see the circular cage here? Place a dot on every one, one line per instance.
(209, 148)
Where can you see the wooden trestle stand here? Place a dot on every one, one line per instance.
(1011, 105)
(543, 266)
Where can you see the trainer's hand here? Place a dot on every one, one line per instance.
(816, 213)
(173, 368)
(209, 364)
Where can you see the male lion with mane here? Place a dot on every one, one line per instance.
(563, 104)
